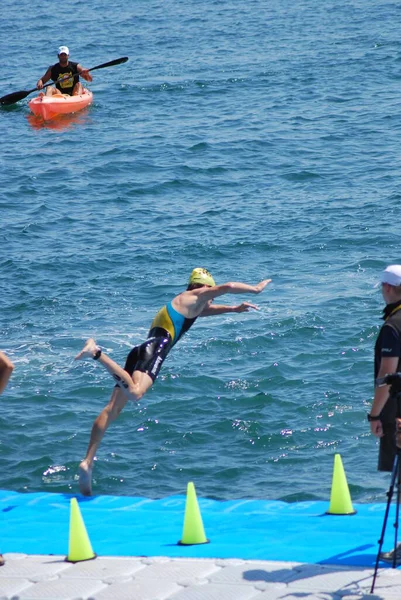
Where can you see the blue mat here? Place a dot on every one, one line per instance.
(247, 529)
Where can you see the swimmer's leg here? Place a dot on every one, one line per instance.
(123, 379)
(85, 479)
(129, 388)
(109, 414)
(89, 350)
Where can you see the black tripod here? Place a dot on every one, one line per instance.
(395, 482)
(394, 381)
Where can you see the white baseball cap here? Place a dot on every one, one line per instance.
(392, 275)
(63, 50)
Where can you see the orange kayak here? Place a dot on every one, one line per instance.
(48, 107)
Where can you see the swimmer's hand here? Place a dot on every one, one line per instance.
(261, 286)
(245, 307)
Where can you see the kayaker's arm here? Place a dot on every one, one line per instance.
(84, 73)
(44, 79)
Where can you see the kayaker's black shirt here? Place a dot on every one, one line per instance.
(57, 72)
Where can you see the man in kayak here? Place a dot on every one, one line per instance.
(71, 85)
(143, 363)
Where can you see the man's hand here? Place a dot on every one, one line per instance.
(86, 75)
(376, 428)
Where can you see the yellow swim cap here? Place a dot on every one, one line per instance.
(200, 275)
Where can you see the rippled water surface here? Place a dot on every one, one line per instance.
(257, 139)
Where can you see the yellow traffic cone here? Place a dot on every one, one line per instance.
(340, 498)
(79, 546)
(193, 531)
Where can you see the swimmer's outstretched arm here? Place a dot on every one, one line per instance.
(121, 377)
(6, 368)
(206, 295)
(220, 309)
(233, 287)
(198, 302)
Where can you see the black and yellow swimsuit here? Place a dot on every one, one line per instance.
(166, 329)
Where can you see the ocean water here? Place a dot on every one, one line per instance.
(257, 139)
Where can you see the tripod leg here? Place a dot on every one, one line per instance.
(395, 472)
(397, 512)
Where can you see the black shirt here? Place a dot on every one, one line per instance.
(388, 344)
(58, 72)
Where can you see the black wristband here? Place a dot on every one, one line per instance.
(97, 355)
(372, 418)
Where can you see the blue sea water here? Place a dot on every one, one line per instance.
(257, 139)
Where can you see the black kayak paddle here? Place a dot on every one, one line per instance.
(16, 96)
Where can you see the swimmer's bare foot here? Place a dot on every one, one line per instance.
(2, 561)
(89, 350)
(85, 479)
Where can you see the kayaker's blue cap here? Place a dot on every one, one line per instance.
(63, 50)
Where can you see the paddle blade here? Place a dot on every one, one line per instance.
(14, 97)
(117, 61)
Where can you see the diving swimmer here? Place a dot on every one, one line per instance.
(143, 363)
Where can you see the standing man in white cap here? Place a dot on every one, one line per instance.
(384, 417)
(143, 363)
(63, 68)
